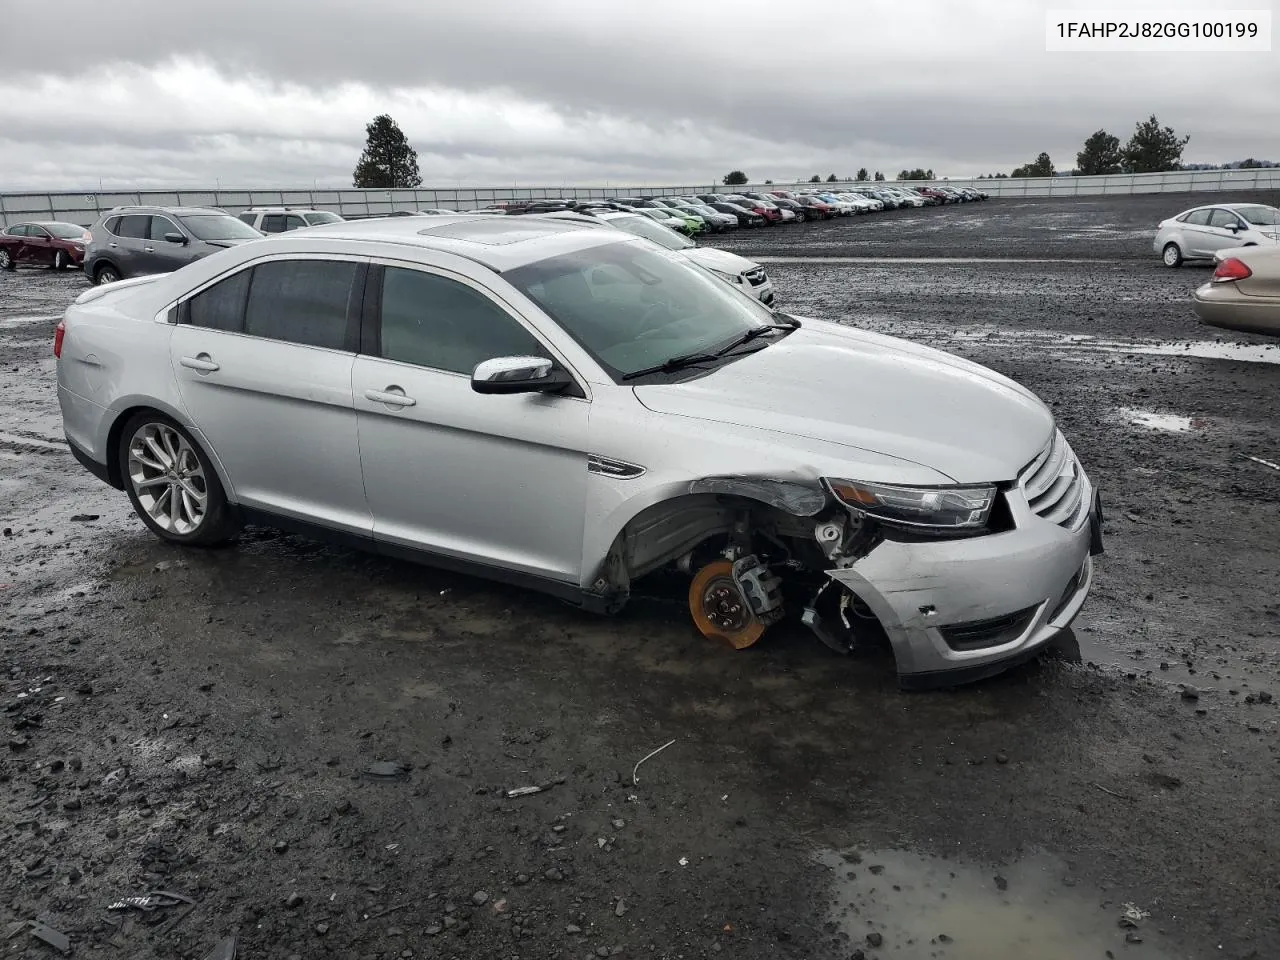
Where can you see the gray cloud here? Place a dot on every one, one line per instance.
(605, 90)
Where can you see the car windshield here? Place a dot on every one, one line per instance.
(633, 307)
(324, 216)
(644, 227)
(64, 231)
(219, 226)
(1260, 215)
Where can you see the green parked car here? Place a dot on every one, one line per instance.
(687, 223)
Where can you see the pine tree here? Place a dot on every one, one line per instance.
(862, 174)
(1101, 154)
(388, 162)
(1153, 148)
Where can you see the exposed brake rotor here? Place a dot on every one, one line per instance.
(719, 609)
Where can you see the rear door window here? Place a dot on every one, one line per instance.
(272, 223)
(18, 231)
(1198, 218)
(134, 227)
(302, 301)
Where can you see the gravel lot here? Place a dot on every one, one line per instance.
(203, 722)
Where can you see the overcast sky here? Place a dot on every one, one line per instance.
(277, 92)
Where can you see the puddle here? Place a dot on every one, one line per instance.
(20, 321)
(781, 259)
(926, 907)
(1205, 350)
(1167, 422)
(1050, 340)
(33, 442)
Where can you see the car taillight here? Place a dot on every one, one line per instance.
(1232, 269)
(59, 332)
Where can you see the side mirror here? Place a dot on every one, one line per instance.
(175, 238)
(1235, 227)
(518, 375)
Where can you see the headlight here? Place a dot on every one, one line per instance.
(724, 275)
(938, 508)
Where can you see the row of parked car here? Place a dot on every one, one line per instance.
(139, 240)
(718, 212)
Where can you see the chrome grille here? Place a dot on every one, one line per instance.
(1055, 486)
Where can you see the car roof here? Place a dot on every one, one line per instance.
(500, 243)
(173, 211)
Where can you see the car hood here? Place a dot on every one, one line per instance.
(721, 260)
(862, 390)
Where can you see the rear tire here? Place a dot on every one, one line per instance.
(7, 262)
(1171, 256)
(172, 484)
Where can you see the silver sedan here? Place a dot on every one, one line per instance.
(1199, 233)
(573, 408)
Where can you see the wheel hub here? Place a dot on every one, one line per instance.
(719, 610)
(723, 605)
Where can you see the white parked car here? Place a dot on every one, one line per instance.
(1199, 233)
(280, 219)
(572, 408)
(747, 275)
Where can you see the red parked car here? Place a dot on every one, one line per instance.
(54, 244)
(934, 194)
(816, 209)
(770, 213)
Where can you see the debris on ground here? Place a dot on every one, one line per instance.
(40, 930)
(635, 781)
(151, 901)
(528, 791)
(1132, 916)
(223, 950)
(385, 770)
(521, 792)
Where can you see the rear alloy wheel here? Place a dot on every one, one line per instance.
(1172, 255)
(171, 483)
(719, 610)
(60, 260)
(6, 260)
(106, 274)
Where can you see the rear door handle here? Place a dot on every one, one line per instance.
(393, 396)
(202, 363)
(148, 249)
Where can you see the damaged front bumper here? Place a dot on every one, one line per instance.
(956, 611)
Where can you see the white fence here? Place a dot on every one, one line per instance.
(84, 208)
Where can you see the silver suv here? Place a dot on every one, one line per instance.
(572, 408)
(139, 241)
(282, 219)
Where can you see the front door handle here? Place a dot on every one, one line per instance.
(113, 245)
(392, 396)
(148, 249)
(201, 363)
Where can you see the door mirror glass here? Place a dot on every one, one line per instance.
(175, 238)
(518, 375)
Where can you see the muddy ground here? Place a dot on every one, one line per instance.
(200, 722)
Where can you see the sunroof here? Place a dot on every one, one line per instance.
(499, 230)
